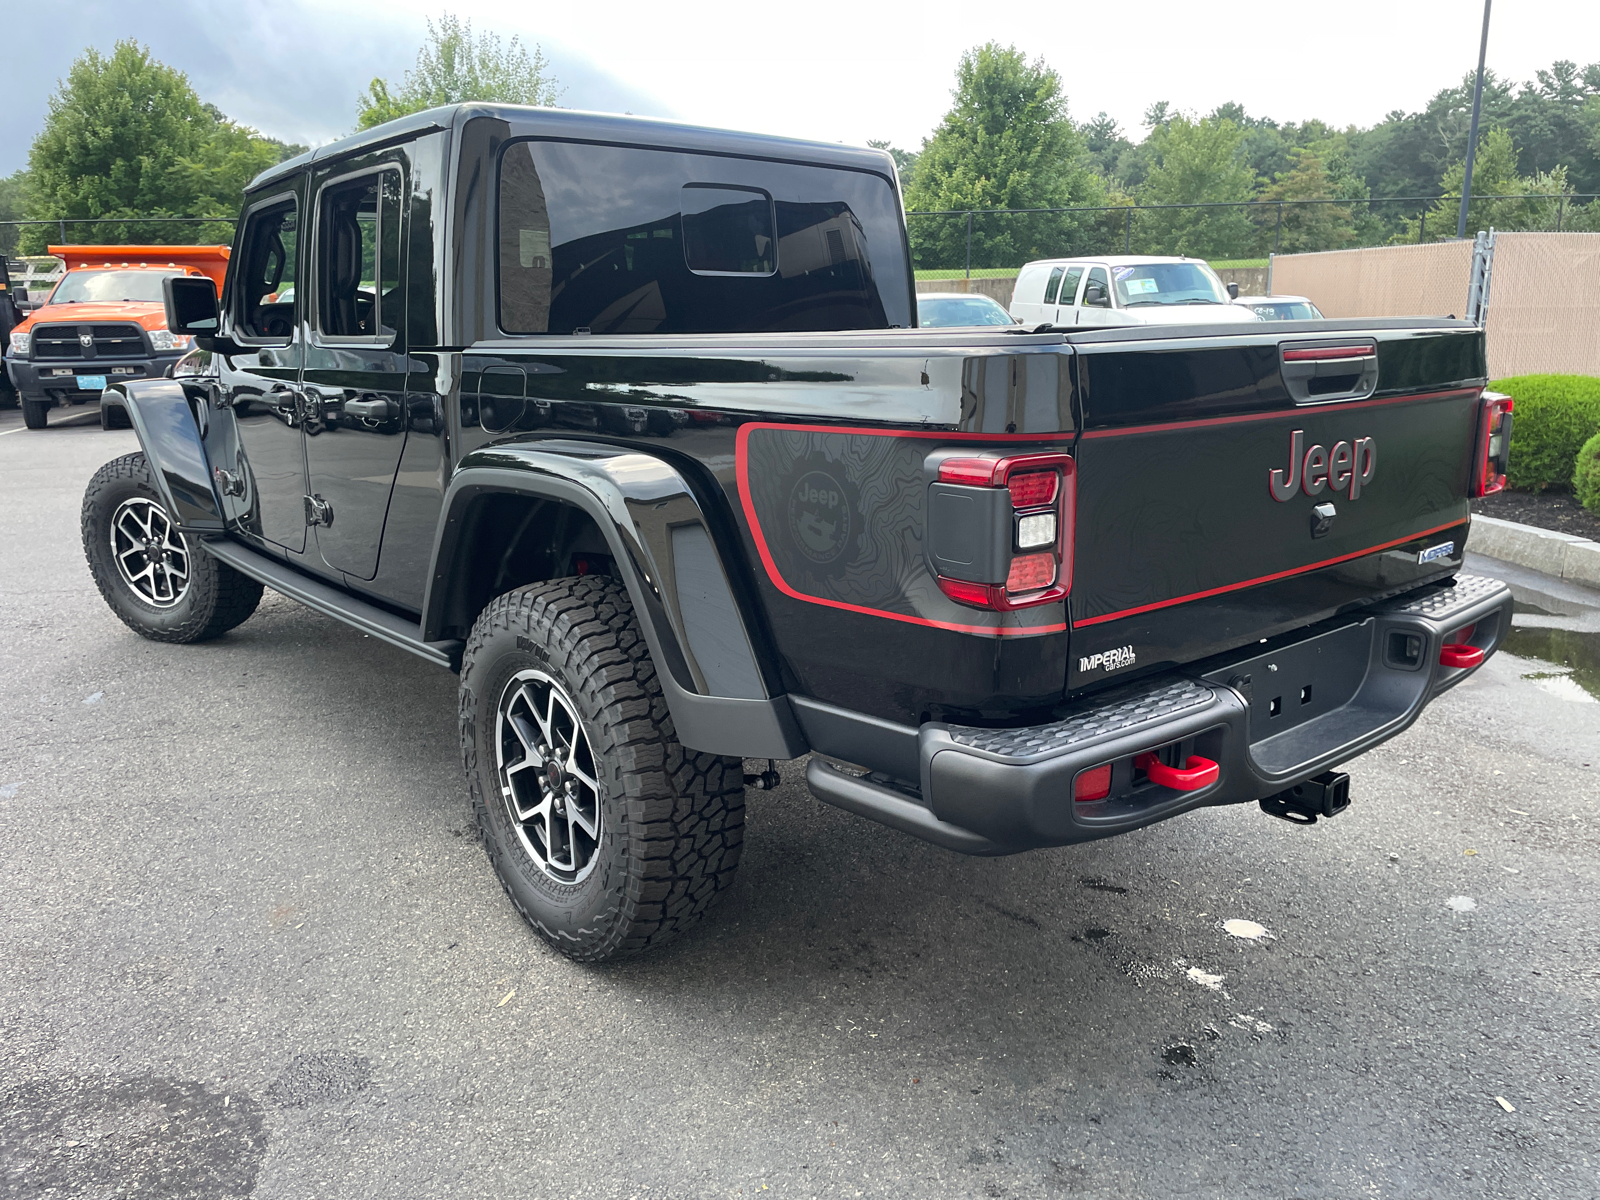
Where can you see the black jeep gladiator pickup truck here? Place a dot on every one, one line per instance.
(630, 424)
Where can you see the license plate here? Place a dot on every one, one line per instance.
(91, 383)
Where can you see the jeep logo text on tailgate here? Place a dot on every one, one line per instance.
(1310, 471)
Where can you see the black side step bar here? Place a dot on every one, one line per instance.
(341, 605)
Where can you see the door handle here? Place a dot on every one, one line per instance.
(373, 408)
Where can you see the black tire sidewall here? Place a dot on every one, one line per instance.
(580, 917)
(182, 618)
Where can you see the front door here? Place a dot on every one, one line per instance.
(264, 483)
(355, 365)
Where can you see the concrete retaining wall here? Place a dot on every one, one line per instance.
(1000, 288)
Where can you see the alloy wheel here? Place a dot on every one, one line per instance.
(548, 779)
(151, 556)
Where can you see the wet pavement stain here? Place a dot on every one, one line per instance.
(1101, 885)
(1180, 1054)
(1574, 654)
(144, 1136)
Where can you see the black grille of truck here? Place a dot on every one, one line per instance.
(57, 343)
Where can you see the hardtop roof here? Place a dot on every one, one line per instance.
(588, 126)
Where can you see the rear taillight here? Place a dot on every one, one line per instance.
(1037, 562)
(1494, 444)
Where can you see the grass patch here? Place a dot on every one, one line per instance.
(977, 273)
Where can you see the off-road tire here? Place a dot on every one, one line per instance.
(672, 823)
(217, 598)
(36, 413)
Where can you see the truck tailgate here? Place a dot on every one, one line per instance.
(1228, 510)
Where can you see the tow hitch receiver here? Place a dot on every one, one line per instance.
(1325, 795)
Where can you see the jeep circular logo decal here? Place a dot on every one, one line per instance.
(819, 517)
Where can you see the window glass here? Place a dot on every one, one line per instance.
(951, 312)
(1069, 285)
(358, 257)
(1098, 275)
(1287, 311)
(266, 300)
(1050, 288)
(728, 231)
(614, 239)
(1167, 283)
(140, 287)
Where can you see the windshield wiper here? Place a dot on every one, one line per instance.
(1198, 301)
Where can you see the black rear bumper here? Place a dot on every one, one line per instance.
(1270, 717)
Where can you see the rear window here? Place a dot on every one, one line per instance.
(615, 239)
(92, 287)
(1287, 311)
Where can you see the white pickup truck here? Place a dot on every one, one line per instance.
(1123, 290)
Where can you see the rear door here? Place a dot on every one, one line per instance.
(1066, 312)
(1027, 298)
(354, 377)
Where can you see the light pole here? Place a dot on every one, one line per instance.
(1472, 134)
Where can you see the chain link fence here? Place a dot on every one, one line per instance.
(957, 242)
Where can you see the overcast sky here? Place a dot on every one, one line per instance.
(833, 72)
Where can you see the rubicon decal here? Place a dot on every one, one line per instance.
(1348, 467)
(1108, 660)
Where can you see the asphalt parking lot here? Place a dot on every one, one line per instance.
(251, 947)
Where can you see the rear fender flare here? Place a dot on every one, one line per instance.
(165, 421)
(665, 550)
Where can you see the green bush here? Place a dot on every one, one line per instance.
(1586, 476)
(1554, 416)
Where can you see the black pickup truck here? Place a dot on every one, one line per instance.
(630, 424)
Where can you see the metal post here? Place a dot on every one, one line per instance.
(1422, 227)
(1472, 133)
(1277, 234)
(969, 245)
(63, 230)
(1127, 232)
(1561, 211)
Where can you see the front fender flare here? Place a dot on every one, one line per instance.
(165, 422)
(664, 548)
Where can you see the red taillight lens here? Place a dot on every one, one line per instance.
(1030, 572)
(1093, 784)
(976, 595)
(974, 472)
(1030, 489)
(1494, 444)
(1036, 484)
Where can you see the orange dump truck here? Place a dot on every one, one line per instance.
(104, 323)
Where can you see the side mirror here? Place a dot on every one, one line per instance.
(191, 303)
(1094, 295)
(20, 295)
(1233, 291)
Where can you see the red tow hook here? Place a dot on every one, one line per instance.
(1191, 777)
(1460, 655)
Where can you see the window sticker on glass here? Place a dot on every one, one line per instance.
(1137, 286)
(1121, 273)
(728, 230)
(533, 247)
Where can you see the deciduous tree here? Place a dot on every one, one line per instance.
(455, 65)
(127, 137)
(1198, 163)
(1006, 142)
